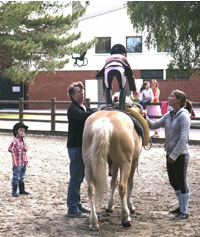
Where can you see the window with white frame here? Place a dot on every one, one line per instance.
(134, 44)
(152, 74)
(103, 45)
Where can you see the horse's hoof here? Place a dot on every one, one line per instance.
(126, 223)
(108, 209)
(94, 227)
(132, 211)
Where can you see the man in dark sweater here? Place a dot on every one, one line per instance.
(77, 115)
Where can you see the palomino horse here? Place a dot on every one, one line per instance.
(110, 133)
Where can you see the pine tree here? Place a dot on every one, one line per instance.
(38, 36)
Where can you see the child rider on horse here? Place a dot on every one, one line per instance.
(117, 66)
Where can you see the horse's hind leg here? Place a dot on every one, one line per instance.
(113, 184)
(124, 174)
(93, 216)
(130, 186)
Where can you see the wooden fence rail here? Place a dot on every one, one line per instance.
(52, 106)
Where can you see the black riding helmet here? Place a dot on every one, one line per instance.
(118, 48)
(17, 126)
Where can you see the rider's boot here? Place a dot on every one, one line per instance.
(108, 96)
(122, 97)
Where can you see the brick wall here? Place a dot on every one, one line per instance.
(190, 86)
(55, 85)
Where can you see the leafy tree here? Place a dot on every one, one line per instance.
(38, 36)
(174, 22)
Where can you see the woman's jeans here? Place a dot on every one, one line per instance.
(144, 103)
(76, 178)
(18, 175)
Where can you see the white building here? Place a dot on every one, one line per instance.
(108, 21)
(112, 26)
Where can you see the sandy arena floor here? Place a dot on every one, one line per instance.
(42, 213)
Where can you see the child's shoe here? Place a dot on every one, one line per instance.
(14, 191)
(22, 189)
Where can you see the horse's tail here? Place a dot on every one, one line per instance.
(101, 132)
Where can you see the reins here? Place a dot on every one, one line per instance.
(147, 148)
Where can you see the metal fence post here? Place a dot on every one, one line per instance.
(21, 109)
(53, 116)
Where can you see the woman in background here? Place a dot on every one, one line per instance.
(154, 110)
(146, 94)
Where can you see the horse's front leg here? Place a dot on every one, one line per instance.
(93, 216)
(130, 186)
(126, 219)
(113, 184)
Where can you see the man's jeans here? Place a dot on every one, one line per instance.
(76, 178)
(18, 174)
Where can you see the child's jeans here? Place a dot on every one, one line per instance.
(18, 174)
(144, 103)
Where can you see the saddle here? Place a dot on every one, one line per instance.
(138, 127)
(140, 123)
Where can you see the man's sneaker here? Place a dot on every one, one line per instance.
(84, 210)
(176, 211)
(76, 214)
(181, 216)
